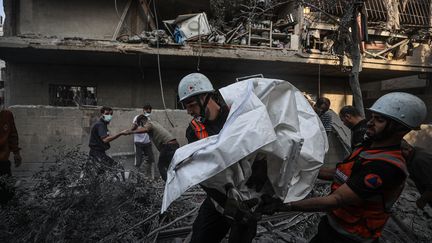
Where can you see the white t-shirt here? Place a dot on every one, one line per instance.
(140, 137)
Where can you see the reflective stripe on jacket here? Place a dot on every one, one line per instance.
(199, 129)
(368, 219)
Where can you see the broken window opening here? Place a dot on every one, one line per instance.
(68, 95)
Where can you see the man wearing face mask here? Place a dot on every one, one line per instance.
(8, 144)
(370, 180)
(100, 137)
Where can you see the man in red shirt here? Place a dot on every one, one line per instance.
(8, 141)
(8, 144)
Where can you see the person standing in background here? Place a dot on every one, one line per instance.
(100, 137)
(321, 108)
(143, 145)
(352, 118)
(8, 144)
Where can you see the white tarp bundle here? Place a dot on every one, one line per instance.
(268, 118)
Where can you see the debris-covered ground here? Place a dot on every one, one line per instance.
(417, 223)
(77, 201)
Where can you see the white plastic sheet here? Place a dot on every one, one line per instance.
(269, 118)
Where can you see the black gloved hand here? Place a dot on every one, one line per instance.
(240, 211)
(269, 205)
(259, 175)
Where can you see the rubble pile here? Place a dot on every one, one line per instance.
(77, 200)
(417, 222)
(242, 22)
(309, 26)
(149, 37)
(294, 226)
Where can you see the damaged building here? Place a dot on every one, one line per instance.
(126, 53)
(65, 59)
(93, 52)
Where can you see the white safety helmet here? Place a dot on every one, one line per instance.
(404, 108)
(194, 84)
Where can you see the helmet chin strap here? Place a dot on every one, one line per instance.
(203, 107)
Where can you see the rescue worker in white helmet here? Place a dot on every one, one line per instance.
(199, 98)
(209, 113)
(369, 181)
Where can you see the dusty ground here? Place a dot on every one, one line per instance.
(418, 222)
(409, 223)
(137, 218)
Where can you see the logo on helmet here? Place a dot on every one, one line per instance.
(191, 88)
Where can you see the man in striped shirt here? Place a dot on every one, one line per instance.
(321, 107)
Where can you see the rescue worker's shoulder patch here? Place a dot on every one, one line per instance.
(372, 181)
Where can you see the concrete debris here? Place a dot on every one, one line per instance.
(419, 222)
(149, 37)
(276, 24)
(243, 22)
(407, 225)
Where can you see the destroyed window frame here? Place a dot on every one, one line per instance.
(55, 99)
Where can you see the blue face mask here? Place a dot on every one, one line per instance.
(107, 118)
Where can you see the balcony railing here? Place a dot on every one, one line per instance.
(411, 12)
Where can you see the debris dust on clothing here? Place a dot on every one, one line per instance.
(269, 117)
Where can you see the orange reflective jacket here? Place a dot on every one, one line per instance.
(199, 129)
(368, 219)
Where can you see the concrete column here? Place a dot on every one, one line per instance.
(393, 22)
(24, 21)
(10, 22)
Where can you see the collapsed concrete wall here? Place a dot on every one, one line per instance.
(43, 130)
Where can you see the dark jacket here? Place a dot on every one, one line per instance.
(8, 135)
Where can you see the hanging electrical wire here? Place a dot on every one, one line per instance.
(319, 65)
(158, 63)
(199, 44)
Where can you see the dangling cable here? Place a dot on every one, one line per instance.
(158, 62)
(319, 64)
(319, 80)
(199, 43)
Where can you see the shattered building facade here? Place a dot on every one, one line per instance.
(62, 53)
(93, 52)
(64, 58)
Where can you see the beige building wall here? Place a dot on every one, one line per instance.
(339, 100)
(46, 131)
